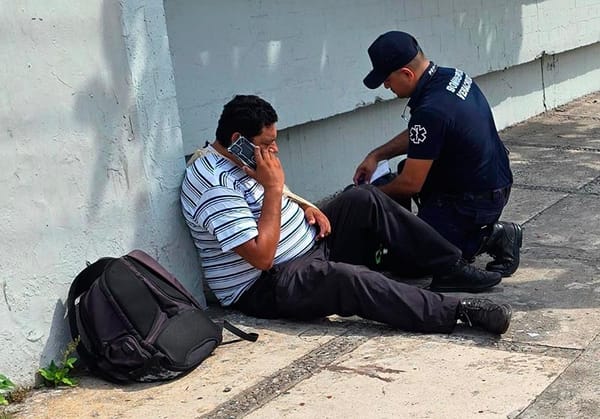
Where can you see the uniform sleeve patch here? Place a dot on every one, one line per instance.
(417, 134)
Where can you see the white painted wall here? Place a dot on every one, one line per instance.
(308, 57)
(92, 144)
(91, 148)
(320, 157)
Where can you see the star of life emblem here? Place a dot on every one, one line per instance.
(417, 134)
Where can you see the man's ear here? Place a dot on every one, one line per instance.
(408, 73)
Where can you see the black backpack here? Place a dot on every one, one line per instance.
(136, 322)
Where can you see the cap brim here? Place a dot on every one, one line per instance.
(374, 79)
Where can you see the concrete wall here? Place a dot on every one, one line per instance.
(320, 157)
(308, 58)
(91, 148)
(92, 143)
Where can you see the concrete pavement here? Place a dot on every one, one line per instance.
(546, 366)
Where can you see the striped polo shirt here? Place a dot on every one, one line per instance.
(221, 206)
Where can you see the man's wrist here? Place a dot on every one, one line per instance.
(374, 155)
(274, 189)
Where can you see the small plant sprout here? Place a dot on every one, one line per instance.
(57, 375)
(6, 386)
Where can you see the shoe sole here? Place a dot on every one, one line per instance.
(516, 251)
(471, 289)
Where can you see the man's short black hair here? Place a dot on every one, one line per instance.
(246, 114)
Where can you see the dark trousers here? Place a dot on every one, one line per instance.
(340, 275)
(466, 220)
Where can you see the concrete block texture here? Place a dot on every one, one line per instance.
(93, 161)
(399, 377)
(309, 58)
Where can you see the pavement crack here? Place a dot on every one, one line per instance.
(5, 295)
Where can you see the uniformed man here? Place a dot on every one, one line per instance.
(457, 168)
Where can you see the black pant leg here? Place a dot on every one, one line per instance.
(312, 287)
(464, 223)
(364, 220)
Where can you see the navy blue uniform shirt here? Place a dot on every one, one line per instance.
(452, 123)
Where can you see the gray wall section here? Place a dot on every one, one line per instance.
(92, 160)
(91, 139)
(309, 58)
(320, 157)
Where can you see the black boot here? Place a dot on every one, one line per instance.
(504, 246)
(485, 314)
(463, 277)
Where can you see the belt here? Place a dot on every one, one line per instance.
(486, 195)
(490, 195)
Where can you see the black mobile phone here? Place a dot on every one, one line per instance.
(243, 149)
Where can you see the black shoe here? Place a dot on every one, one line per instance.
(464, 278)
(505, 244)
(485, 314)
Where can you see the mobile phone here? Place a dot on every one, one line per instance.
(243, 149)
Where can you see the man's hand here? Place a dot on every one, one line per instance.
(395, 147)
(315, 216)
(365, 170)
(260, 251)
(269, 172)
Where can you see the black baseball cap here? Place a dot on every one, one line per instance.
(389, 52)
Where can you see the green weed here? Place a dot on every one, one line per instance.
(6, 386)
(57, 375)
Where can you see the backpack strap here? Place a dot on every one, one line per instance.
(82, 282)
(252, 337)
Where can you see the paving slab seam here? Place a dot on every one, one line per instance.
(573, 393)
(511, 142)
(578, 191)
(465, 336)
(276, 384)
(321, 359)
(565, 114)
(523, 412)
(505, 345)
(543, 210)
(549, 252)
(568, 193)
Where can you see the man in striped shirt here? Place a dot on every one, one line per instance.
(268, 256)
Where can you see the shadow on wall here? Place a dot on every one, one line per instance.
(308, 59)
(105, 107)
(58, 337)
(129, 180)
(102, 104)
(132, 183)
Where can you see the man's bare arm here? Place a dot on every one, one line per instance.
(260, 251)
(410, 180)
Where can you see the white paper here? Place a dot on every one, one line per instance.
(382, 169)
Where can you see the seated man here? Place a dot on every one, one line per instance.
(269, 257)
